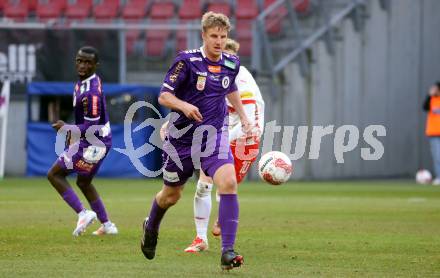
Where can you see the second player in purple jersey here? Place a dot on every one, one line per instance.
(88, 145)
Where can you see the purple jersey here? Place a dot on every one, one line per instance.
(90, 109)
(203, 83)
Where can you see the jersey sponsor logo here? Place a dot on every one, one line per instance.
(229, 64)
(193, 59)
(202, 73)
(201, 81)
(225, 82)
(170, 176)
(85, 103)
(176, 72)
(215, 78)
(246, 94)
(95, 105)
(192, 51)
(84, 166)
(214, 69)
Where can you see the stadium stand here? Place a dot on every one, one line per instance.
(50, 10)
(153, 42)
(220, 7)
(79, 10)
(16, 10)
(106, 11)
(189, 10)
(134, 11)
(161, 12)
(246, 12)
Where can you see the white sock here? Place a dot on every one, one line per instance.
(202, 209)
(107, 224)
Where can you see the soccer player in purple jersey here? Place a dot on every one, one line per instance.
(85, 155)
(195, 88)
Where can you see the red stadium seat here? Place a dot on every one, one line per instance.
(181, 37)
(161, 12)
(18, 11)
(220, 7)
(301, 6)
(50, 10)
(106, 11)
(78, 11)
(131, 36)
(246, 9)
(244, 36)
(274, 19)
(155, 41)
(135, 10)
(32, 4)
(189, 10)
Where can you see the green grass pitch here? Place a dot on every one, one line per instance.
(300, 229)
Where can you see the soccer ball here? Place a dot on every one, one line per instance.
(423, 176)
(275, 167)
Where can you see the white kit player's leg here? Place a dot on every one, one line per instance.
(202, 211)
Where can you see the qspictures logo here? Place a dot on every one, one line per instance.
(18, 63)
(346, 139)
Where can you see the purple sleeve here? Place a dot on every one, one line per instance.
(233, 87)
(175, 76)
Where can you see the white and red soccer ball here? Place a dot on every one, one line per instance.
(275, 167)
(423, 176)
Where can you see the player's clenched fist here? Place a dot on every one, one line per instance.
(57, 125)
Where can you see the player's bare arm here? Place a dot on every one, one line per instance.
(171, 101)
(234, 99)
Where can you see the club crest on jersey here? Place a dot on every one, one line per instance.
(201, 81)
(225, 82)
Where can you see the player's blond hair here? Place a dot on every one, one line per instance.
(211, 19)
(232, 46)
